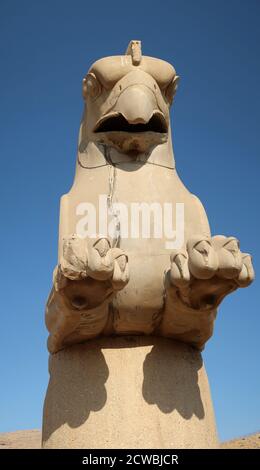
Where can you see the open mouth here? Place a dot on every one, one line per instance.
(118, 123)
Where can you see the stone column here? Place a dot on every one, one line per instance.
(157, 284)
(128, 392)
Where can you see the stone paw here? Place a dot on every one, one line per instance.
(89, 272)
(209, 269)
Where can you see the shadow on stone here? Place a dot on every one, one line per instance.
(171, 379)
(77, 378)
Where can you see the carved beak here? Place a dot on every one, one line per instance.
(136, 111)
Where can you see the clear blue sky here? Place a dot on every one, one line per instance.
(46, 48)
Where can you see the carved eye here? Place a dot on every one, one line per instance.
(171, 89)
(91, 86)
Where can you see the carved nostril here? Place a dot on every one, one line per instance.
(79, 302)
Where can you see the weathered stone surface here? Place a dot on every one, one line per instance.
(128, 392)
(118, 283)
(159, 286)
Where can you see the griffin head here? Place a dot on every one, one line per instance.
(127, 101)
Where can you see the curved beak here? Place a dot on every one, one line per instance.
(136, 110)
(136, 104)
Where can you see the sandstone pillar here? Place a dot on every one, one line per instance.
(128, 392)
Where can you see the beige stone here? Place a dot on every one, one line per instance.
(128, 392)
(117, 284)
(120, 282)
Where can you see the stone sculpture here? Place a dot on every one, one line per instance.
(111, 283)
